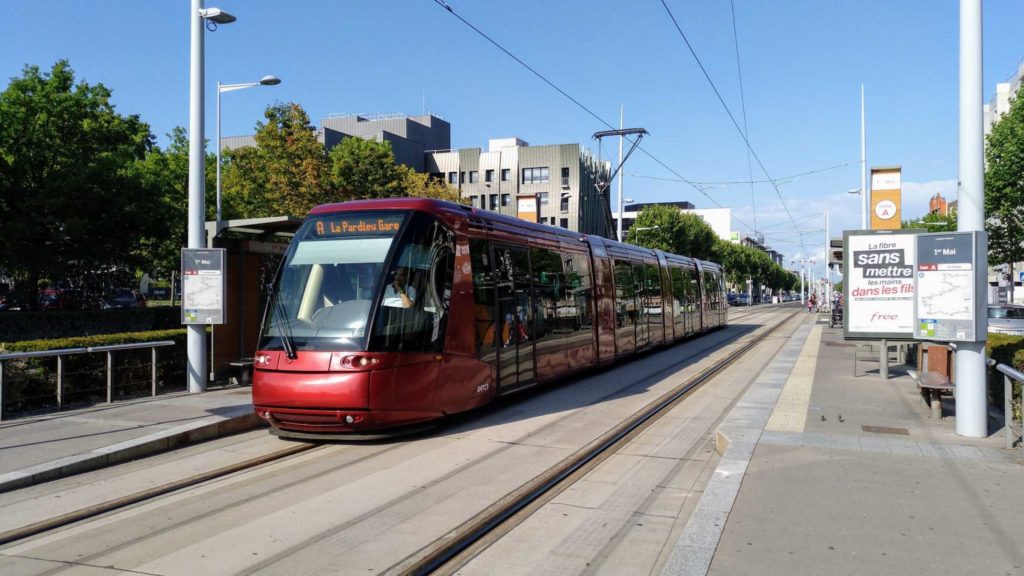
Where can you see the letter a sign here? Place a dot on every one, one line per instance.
(885, 198)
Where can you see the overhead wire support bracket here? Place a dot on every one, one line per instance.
(639, 132)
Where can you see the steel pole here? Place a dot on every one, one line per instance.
(863, 165)
(619, 231)
(196, 334)
(971, 385)
(218, 154)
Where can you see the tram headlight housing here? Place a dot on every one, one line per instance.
(353, 362)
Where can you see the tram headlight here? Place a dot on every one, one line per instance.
(358, 362)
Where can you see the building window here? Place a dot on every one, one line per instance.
(564, 223)
(552, 220)
(535, 175)
(489, 176)
(473, 175)
(462, 177)
(563, 205)
(506, 199)
(452, 177)
(439, 176)
(494, 201)
(472, 200)
(505, 173)
(483, 201)
(542, 199)
(565, 177)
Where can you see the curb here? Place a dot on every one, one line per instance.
(735, 441)
(213, 427)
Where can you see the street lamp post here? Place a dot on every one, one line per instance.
(639, 229)
(221, 88)
(198, 17)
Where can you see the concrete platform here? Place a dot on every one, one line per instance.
(825, 472)
(60, 444)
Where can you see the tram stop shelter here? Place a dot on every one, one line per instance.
(253, 248)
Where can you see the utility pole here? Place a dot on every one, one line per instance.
(863, 166)
(971, 385)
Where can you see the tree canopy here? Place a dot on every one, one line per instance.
(71, 203)
(1004, 186)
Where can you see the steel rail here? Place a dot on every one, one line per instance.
(63, 520)
(471, 532)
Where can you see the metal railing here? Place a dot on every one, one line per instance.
(1009, 375)
(60, 354)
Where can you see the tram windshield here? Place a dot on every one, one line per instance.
(345, 269)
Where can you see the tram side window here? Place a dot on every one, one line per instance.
(625, 313)
(417, 290)
(550, 313)
(577, 278)
(709, 291)
(678, 291)
(483, 297)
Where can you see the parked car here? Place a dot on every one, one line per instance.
(742, 299)
(1006, 319)
(731, 298)
(123, 298)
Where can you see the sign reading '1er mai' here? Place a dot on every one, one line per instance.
(878, 284)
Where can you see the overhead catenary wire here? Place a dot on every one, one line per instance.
(496, 44)
(743, 105)
(732, 182)
(728, 111)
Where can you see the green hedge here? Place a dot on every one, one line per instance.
(30, 384)
(48, 324)
(1009, 350)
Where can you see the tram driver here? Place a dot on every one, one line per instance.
(399, 294)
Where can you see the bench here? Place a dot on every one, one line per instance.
(934, 383)
(244, 366)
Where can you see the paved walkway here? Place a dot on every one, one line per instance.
(824, 472)
(59, 444)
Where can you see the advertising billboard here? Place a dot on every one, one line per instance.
(878, 284)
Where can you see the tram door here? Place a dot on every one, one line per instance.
(515, 313)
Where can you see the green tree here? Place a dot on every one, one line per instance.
(164, 174)
(362, 169)
(666, 228)
(1004, 187)
(286, 172)
(72, 207)
(932, 222)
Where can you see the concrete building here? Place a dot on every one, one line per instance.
(938, 205)
(410, 136)
(554, 184)
(1000, 102)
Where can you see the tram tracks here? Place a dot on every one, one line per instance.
(608, 441)
(18, 534)
(462, 544)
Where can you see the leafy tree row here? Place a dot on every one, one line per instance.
(667, 228)
(88, 200)
(1004, 188)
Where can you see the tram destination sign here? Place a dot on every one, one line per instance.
(202, 286)
(949, 303)
(878, 284)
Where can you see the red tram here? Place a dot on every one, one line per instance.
(387, 314)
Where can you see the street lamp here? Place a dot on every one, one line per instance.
(863, 208)
(198, 17)
(221, 88)
(639, 229)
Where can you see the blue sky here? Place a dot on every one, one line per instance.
(803, 63)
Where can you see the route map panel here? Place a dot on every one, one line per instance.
(946, 293)
(202, 286)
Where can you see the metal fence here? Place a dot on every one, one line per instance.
(1009, 375)
(62, 353)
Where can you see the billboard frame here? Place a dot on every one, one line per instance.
(848, 262)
